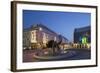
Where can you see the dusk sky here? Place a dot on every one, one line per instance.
(63, 23)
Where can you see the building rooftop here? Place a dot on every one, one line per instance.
(87, 28)
(37, 26)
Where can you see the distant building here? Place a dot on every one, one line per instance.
(38, 35)
(82, 35)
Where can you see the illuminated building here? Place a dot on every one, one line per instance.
(82, 37)
(38, 35)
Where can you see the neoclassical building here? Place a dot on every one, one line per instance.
(38, 35)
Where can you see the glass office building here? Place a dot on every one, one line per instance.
(82, 37)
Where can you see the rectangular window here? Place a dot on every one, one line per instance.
(33, 36)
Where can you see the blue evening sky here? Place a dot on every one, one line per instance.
(63, 23)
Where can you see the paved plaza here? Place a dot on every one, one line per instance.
(71, 54)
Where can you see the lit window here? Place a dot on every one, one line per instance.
(33, 36)
(55, 38)
(44, 38)
(40, 29)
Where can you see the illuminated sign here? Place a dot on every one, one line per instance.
(84, 40)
